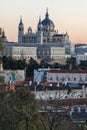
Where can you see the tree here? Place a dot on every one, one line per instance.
(51, 118)
(83, 64)
(30, 67)
(21, 64)
(19, 111)
(6, 62)
(44, 64)
(70, 63)
(9, 63)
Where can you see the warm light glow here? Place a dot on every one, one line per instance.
(67, 15)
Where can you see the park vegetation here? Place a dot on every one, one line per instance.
(12, 64)
(19, 110)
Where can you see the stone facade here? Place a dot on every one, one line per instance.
(20, 52)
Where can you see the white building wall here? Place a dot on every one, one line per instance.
(67, 77)
(57, 52)
(81, 57)
(21, 52)
(59, 76)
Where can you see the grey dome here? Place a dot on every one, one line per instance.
(47, 23)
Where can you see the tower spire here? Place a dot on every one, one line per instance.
(20, 19)
(47, 15)
(39, 19)
(20, 30)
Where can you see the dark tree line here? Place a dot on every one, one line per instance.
(11, 64)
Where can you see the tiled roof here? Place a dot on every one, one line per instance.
(48, 83)
(59, 35)
(18, 83)
(67, 71)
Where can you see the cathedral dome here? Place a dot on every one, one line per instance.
(48, 24)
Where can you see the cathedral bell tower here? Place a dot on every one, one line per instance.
(39, 26)
(20, 31)
(40, 32)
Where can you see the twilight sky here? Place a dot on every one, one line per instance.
(67, 15)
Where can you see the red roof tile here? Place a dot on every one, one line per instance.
(67, 71)
(18, 83)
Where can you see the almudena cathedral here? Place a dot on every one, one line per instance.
(45, 43)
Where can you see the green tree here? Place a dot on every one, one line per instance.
(44, 64)
(9, 63)
(83, 64)
(30, 67)
(52, 119)
(19, 111)
(6, 62)
(21, 64)
(70, 63)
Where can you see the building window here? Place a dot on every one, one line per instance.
(57, 78)
(47, 52)
(68, 78)
(43, 52)
(85, 78)
(63, 79)
(20, 29)
(38, 52)
(80, 79)
(51, 78)
(74, 78)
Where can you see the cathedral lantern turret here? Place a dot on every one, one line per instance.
(29, 30)
(20, 31)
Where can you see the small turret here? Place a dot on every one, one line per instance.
(40, 26)
(20, 31)
(4, 39)
(29, 30)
